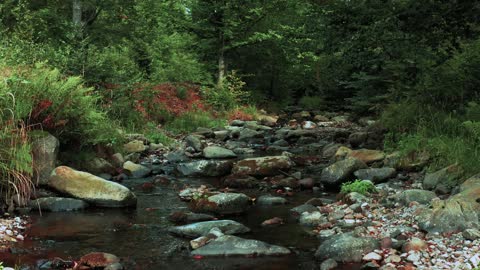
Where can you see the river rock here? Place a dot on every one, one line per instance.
(271, 200)
(342, 153)
(262, 166)
(413, 161)
(203, 228)
(195, 142)
(341, 171)
(471, 234)
(229, 245)
(221, 135)
(90, 188)
(376, 175)
(416, 195)
(328, 264)
(44, 153)
(136, 170)
(357, 138)
(135, 146)
(189, 217)
(330, 149)
(240, 181)
(98, 165)
(58, 204)
(228, 203)
(367, 156)
(312, 219)
(346, 248)
(237, 123)
(246, 134)
(458, 213)
(218, 152)
(443, 180)
(205, 168)
(297, 211)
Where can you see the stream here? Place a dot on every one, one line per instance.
(139, 236)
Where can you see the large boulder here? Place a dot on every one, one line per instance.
(91, 188)
(44, 153)
(459, 212)
(203, 228)
(229, 245)
(341, 171)
(376, 175)
(247, 134)
(366, 155)
(57, 204)
(444, 180)
(262, 166)
(218, 152)
(205, 168)
(346, 248)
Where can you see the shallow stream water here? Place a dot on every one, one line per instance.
(139, 235)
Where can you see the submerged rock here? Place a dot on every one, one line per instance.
(57, 204)
(270, 200)
(90, 188)
(228, 245)
(195, 230)
(98, 259)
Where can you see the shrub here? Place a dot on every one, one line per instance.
(229, 96)
(359, 186)
(61, 105)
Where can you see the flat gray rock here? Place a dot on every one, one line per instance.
(218, 152)
(271, 200)
(228, 245)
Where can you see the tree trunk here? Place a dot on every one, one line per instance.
(221, 69)
(77, 13)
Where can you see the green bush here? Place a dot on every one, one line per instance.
(359, 186)
(47, 100)
(229, 96)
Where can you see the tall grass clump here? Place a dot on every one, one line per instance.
(190, 121)
(16, 164)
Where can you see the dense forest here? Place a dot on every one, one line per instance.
(90, 71)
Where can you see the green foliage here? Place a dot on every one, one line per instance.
(312, 103)
(16, 165)
(62, 105)
(229, 96)
(359, 186)
(190, 121)
(156, 135)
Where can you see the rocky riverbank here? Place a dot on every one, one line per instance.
(413, 221)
